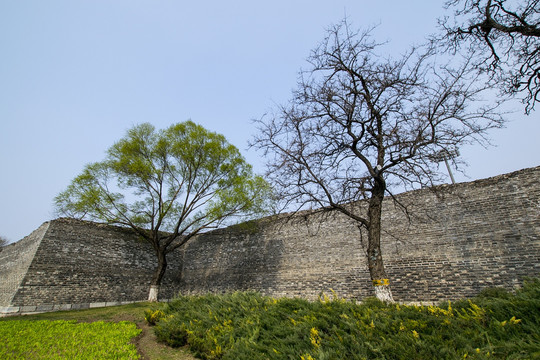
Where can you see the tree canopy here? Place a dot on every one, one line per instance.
(504, 37)
(167, 185)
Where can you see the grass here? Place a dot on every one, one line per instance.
(146, 343)
(495, 325)
(60, 339)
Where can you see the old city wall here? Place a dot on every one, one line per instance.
(454, 241)
(79, 264)
(14, 262)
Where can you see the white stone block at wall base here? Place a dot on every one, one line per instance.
(113, 303)
(9, 310)
(80, 306)
(97, 305)
(28, 309)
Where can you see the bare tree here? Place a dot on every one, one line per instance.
(360, 125)
(505, 37)
(3, 242)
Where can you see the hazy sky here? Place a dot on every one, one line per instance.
(75, 75)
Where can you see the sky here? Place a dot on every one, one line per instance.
(75, 75)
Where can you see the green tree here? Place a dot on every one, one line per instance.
(168, 186)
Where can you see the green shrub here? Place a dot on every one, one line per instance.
(153, 316)
(246, 325)
(495, 292)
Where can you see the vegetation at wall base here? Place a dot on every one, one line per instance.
(246, 325)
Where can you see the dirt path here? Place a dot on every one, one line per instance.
(150, 349)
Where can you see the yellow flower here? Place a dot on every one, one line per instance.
(415, 334)
(314, 337)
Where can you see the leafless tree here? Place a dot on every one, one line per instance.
(505, 36)
(3, 242)
(360, 125)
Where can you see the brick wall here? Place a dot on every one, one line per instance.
(455, 241)
(14, 262)
(81, 263)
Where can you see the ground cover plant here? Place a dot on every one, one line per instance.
(244, 325)
(61, 339)
(146, 344)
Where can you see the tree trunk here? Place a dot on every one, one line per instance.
(381, 284)
(158, 276)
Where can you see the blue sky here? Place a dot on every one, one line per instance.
(75, 75)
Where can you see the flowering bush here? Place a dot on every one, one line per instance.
(153, 316)
(245, 325)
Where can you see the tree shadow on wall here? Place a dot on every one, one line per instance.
(237, 258)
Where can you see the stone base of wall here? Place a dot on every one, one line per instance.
(28, 310)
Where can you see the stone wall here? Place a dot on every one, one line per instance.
(455, 241)
(79, 263)
(14, 262)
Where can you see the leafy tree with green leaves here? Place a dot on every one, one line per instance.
(168, 186)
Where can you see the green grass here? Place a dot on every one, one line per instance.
(60, 339)
(146, 343)
(495, 325)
